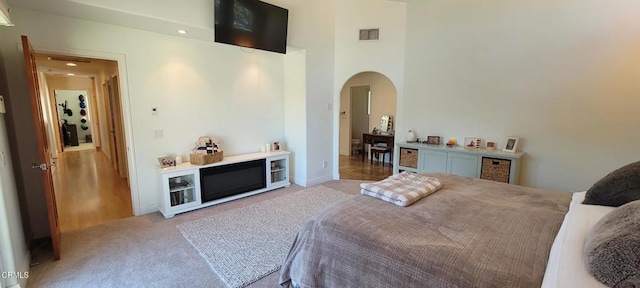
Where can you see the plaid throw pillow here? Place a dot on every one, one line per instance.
(402, 189)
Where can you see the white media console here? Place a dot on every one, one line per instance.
(182, 185)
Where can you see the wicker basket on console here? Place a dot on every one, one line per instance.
(204, 159)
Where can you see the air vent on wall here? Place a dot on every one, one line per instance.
(68, 59)
(369, 34)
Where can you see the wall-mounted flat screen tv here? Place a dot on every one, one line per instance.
(251, 23)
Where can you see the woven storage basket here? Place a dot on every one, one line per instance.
(204, 159)
(495, 169)
(409, 157)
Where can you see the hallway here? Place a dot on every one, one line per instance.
(88, 190)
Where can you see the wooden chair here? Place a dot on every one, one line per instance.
(377, 150)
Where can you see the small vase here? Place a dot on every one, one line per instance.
(411, 137)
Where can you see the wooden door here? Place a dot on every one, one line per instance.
(43, 147)
(119, 128)
(116, 127)
(95, 116)
(110, 126)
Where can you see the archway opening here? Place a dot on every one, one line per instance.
(365, 100)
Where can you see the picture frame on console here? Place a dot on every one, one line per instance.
(167, 161)
(511, 144)
(433, 140)
(472, 142)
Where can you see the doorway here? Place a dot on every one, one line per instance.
(364, 99)
(359, 115)
(76, 127)
(90, 189)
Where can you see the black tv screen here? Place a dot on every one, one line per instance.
(251, 23)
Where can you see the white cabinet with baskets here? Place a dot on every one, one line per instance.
(479, 163)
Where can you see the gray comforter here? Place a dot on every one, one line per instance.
(471, 233)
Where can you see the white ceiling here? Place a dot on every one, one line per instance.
(148, 15)
(161, 16)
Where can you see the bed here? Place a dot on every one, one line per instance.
(566, 267)
(471, 233)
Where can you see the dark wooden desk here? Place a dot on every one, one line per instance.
(368, 138)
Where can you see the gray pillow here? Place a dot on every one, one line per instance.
(612, 249)
(619, 187)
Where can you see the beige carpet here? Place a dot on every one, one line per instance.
(245, 244)
(145, 251)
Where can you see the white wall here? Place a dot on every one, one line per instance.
(311, 27)
(225, 89)
(13, 250)
(563, 76)
(205, 88)
(385, 56)
(200, 88)
(295, 120)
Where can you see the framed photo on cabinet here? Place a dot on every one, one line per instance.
(433, 140)
(511, 144)
(472, 142)
(167, 161)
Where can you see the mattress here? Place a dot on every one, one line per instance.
(566, 267)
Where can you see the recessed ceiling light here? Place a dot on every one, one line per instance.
(182, 31)
(71, 74)
(72, 64)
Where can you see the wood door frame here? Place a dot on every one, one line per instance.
(95, 115)
(351, 115)
(119, 127)
(113, 154)
(55, 118)
(126, 114)
(35, 97)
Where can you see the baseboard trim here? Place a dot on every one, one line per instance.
(298, 181)
(148, 209)
(319, 180)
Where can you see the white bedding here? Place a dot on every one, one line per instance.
(566, 267)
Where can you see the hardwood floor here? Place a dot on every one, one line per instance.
(352, 167)
(88, 190)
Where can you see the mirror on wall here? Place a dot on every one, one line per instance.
(386, 124)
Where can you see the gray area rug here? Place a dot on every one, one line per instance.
(246, 244)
